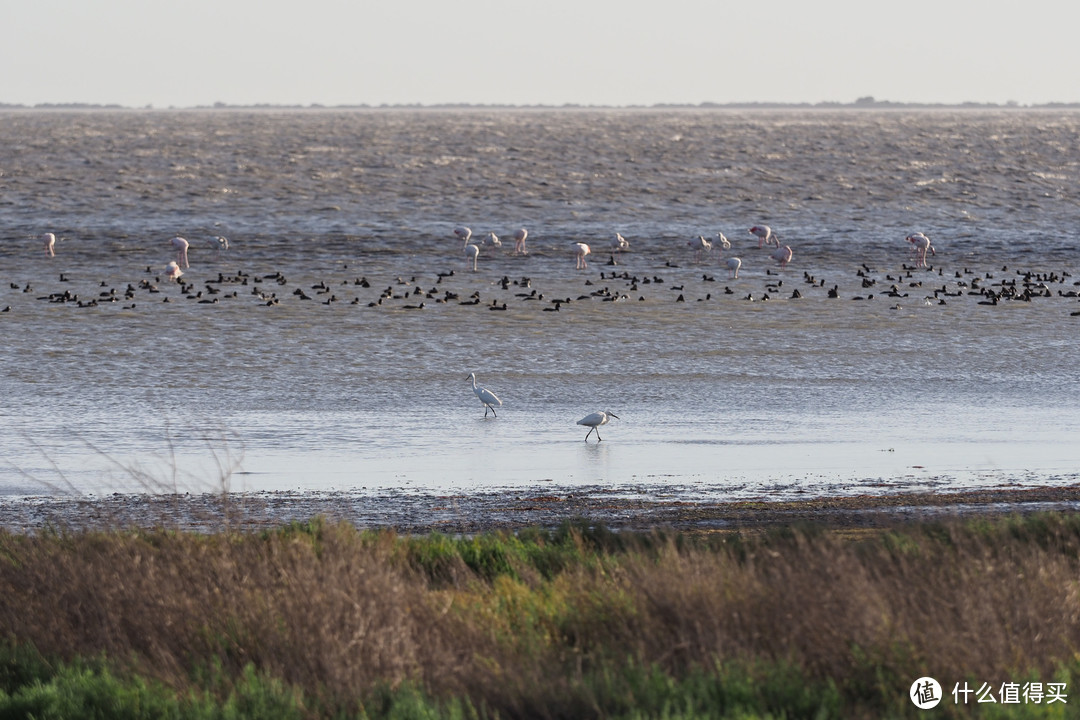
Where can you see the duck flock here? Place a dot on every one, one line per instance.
(916, 280)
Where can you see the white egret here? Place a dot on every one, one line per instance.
(486, 397)
(594, 421)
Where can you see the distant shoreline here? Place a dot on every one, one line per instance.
(860, 104)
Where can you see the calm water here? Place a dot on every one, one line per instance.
(716, 395)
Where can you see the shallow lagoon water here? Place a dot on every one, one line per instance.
(717, 395)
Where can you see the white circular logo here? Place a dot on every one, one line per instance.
(925, 693)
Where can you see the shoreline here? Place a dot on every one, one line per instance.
(512, 510)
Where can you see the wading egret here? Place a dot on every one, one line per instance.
(594, 421)
(486, 396)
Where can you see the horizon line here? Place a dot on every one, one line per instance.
(860, 103)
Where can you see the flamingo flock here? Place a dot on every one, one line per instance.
(920, 246)
(491, 240)
(702, 246)
(179, 246)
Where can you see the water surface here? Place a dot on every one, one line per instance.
(717, 395)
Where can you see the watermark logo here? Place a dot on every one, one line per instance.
(925, 693)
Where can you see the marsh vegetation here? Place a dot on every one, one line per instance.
(322, 620)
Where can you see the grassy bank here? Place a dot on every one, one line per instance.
(320, 620)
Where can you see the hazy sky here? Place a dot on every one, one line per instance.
(594, 52)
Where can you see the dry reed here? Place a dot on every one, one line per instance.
(338, 613)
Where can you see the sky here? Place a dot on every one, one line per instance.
(190, 53)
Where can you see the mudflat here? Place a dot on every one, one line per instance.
(418, 513)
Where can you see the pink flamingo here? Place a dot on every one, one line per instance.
(701, 246)
(619, 243)
(920, 243)
(50, 243)
(915, 237)
(580, 251)
(519, 242)
(180, 245)
(765, 235)
(733, 264)
(173, 271)
(471, 251)
(782, 255)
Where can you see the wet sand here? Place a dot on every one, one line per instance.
(411, 513)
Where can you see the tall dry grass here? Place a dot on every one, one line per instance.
(524, 626)
(334, 613)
